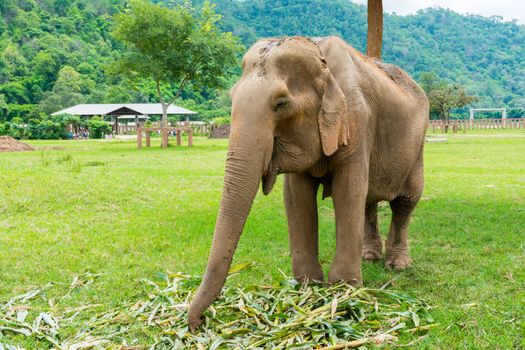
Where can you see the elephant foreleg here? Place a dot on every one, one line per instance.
(349, 190)
(372, 243)
(300, 197)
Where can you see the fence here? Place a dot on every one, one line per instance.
(164, 132)
(476, 124)
(203, 129)
(198, 129)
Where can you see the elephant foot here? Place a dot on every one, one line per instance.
(309, 272)
(351, 277)
(372, 251)
(309, 277)
(397, 259)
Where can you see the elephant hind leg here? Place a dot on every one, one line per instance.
(397, 256)
(300, 197)
(372, 243)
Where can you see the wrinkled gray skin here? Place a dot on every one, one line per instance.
(323, 113)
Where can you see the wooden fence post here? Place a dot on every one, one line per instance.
(190, 138)
(148, 138)
(139, 138)
(179, 137)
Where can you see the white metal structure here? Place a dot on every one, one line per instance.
(502, 110)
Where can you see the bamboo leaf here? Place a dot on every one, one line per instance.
(288, 315)
(239, 267)
(333, 309)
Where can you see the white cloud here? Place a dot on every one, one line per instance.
(508, 9)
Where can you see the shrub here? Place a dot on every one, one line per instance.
(221, 121)
(14, 129)
(98, 128)
(45, 129)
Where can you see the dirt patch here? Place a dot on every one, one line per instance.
(9, 144)
(220, 132)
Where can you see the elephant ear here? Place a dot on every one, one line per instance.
(333, 117)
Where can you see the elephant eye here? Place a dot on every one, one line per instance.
(281, 103)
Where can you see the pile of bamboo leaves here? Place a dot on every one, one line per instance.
(284, 316)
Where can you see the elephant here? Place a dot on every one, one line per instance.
(320, 112)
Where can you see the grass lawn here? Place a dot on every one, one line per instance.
(105, 207)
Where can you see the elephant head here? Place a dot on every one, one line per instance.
(288, 113)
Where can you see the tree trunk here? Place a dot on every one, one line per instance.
(375, 28)
(164, 120)
(164, 125)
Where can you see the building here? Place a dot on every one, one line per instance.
(117, 113)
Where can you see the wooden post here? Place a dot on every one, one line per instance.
(148, 138)
(116, 125)
(139, 138)
(190, 137)
(375, 28)
(179, 137)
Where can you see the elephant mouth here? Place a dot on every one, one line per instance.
(268, 179)
(272, 170)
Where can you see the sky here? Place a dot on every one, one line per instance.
(508, 9)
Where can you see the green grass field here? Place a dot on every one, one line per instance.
(105, 207)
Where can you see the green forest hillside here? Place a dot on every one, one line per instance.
(485, 54)
(53, 52)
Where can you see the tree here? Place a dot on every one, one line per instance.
(443, 97)
(46, 68)
(447, 97)
(4, 108)
(67, 90)
(15, 92)
(429, 82)
(175, 47)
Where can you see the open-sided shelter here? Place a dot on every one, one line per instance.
(122, 111)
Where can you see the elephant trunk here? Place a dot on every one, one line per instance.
(246, 163)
